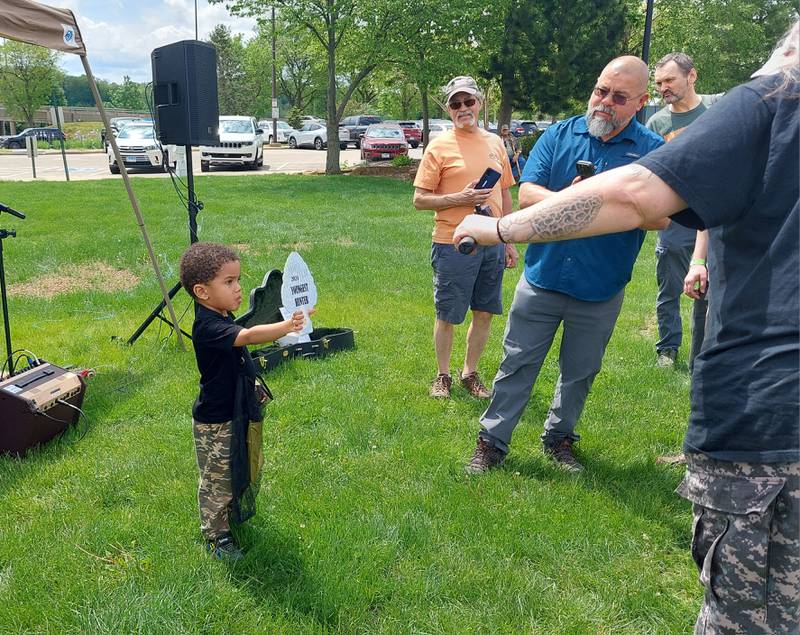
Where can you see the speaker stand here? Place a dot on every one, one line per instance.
(193, 208)
(6, 233)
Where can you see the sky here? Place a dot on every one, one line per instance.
(121, 34)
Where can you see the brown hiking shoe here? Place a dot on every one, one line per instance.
(561, 453)
(474, 385)
(485, 458)
(441, 386)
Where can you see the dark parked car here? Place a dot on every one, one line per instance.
(356, 125)
(383, 141)
(51, 135)
(524, 128)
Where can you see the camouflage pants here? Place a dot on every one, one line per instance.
(746, 544)
(213, 444)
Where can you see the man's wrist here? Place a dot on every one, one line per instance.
(499, 235)
(699, 261)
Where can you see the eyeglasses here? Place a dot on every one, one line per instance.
(618, 98)
(469, 103)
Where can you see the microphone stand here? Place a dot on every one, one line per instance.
(7, 233)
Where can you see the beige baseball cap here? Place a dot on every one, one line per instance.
(462, 84)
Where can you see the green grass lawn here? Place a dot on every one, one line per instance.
(366, 521)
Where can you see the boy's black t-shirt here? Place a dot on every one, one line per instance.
(219, 363)
(737, 168)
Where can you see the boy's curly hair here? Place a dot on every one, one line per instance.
(201, 262)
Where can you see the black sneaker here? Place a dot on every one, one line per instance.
(666, 358)
(561, 452)
(224, 548)
(485, 458)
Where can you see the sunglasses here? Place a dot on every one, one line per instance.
(618, 98)
(456, 104)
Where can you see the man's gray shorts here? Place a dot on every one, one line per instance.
(462, 282)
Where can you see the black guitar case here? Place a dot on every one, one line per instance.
(265, 303)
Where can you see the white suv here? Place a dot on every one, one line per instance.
(139, 148)
(241, 143)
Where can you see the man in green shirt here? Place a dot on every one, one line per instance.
(675, 77)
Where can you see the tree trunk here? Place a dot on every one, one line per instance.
(423, 91)
(332, 158)
(506, 108)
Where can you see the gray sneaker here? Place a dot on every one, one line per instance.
(561, 452)
(666, 358)
(485, 458)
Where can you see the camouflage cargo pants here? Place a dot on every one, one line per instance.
(745, 543)
(213, 444)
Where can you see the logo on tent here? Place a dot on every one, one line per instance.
(69, 35)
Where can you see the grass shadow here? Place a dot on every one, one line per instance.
(273, 572)
(643, 489)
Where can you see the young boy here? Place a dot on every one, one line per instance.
(210, 273)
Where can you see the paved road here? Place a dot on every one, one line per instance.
(15, 166)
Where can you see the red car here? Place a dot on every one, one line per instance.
(412, 132)
(383, 141)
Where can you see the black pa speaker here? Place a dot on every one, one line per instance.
(185, 93)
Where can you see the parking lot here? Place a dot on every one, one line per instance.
(16, 166)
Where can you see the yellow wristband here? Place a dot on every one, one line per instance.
(698, 261)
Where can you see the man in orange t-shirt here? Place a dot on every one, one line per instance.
(445, 181)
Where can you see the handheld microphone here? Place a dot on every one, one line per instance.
(13, 212)
(467, 244)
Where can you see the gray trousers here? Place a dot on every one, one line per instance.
(533, 320)
(672, 264)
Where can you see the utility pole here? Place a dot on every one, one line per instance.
(648, 27)
(275, 111)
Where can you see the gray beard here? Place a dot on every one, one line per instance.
(465, 124)
(599, 127)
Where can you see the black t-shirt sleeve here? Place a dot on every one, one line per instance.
(717, 163)
(215, 334)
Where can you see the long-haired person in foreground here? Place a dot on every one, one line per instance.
(734, 172)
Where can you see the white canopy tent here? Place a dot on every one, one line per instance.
(42, 25)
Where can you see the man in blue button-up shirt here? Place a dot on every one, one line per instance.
(578, 283)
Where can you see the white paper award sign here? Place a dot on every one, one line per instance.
(298, 291)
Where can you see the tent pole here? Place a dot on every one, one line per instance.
(134, 203)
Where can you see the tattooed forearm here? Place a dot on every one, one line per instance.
(551, 220)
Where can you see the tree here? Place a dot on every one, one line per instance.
(28, 76)
(128, 95)
(256, 85)
(77, 91)
(234, 93)
(398, 97)
(727, 39)
(352, 34)
(301, 68)
(424, 40)
(552, 51)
